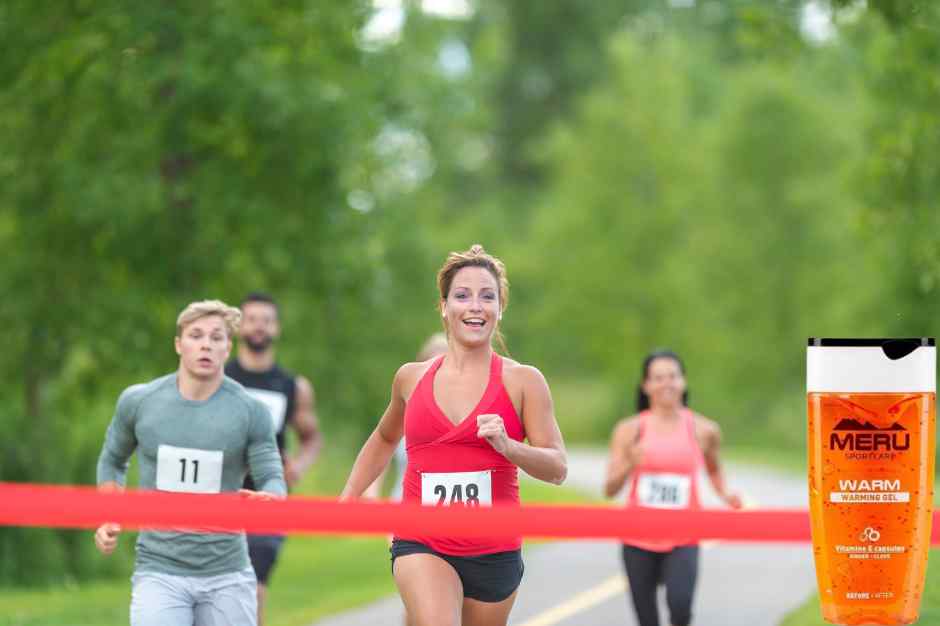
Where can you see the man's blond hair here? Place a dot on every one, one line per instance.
(197, 310)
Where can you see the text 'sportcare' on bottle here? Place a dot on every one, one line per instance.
(871, 438)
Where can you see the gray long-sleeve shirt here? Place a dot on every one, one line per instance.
(191, 447)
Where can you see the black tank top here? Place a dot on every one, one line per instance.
(276, 388)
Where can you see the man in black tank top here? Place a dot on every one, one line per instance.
(290, 401)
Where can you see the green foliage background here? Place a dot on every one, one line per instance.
(703, 177)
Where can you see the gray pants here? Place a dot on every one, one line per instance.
(167, 600)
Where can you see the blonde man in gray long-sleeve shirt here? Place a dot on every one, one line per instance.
(194, 431)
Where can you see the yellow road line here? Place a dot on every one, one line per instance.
(615, 585)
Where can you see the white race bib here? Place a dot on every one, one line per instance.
(663, 491)
(457, 488)
(189, 470)
(276, 403)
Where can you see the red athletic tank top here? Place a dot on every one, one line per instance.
(667, 477)
(448, 464)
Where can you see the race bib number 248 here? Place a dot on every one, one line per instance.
(457, 488)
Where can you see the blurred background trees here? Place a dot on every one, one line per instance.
(725, 178)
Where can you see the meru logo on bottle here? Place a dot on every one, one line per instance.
(851, 435)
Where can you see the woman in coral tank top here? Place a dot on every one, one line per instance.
(470, 418)
(662, 448)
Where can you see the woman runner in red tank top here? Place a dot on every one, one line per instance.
(662, 449)
(465, 417)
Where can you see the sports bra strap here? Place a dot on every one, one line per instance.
(496, 368)
(690, 426)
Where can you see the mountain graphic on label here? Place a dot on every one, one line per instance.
(851, 424)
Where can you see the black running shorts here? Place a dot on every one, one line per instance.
(263, 551)
(486, 577)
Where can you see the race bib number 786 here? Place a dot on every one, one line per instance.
(663, 491)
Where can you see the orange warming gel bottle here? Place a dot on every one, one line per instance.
(871, 439)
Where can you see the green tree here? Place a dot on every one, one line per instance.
(159, 154)
(725, 231)
(899, 180)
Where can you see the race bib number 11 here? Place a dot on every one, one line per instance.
(188, 470)
(457, 488)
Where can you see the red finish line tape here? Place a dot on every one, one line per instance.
(84, 507)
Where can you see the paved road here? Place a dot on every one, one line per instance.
(739, 584)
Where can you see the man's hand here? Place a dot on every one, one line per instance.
(106, 537)
(259, 495)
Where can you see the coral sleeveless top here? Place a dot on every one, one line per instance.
(448, 465)
(667, 477)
